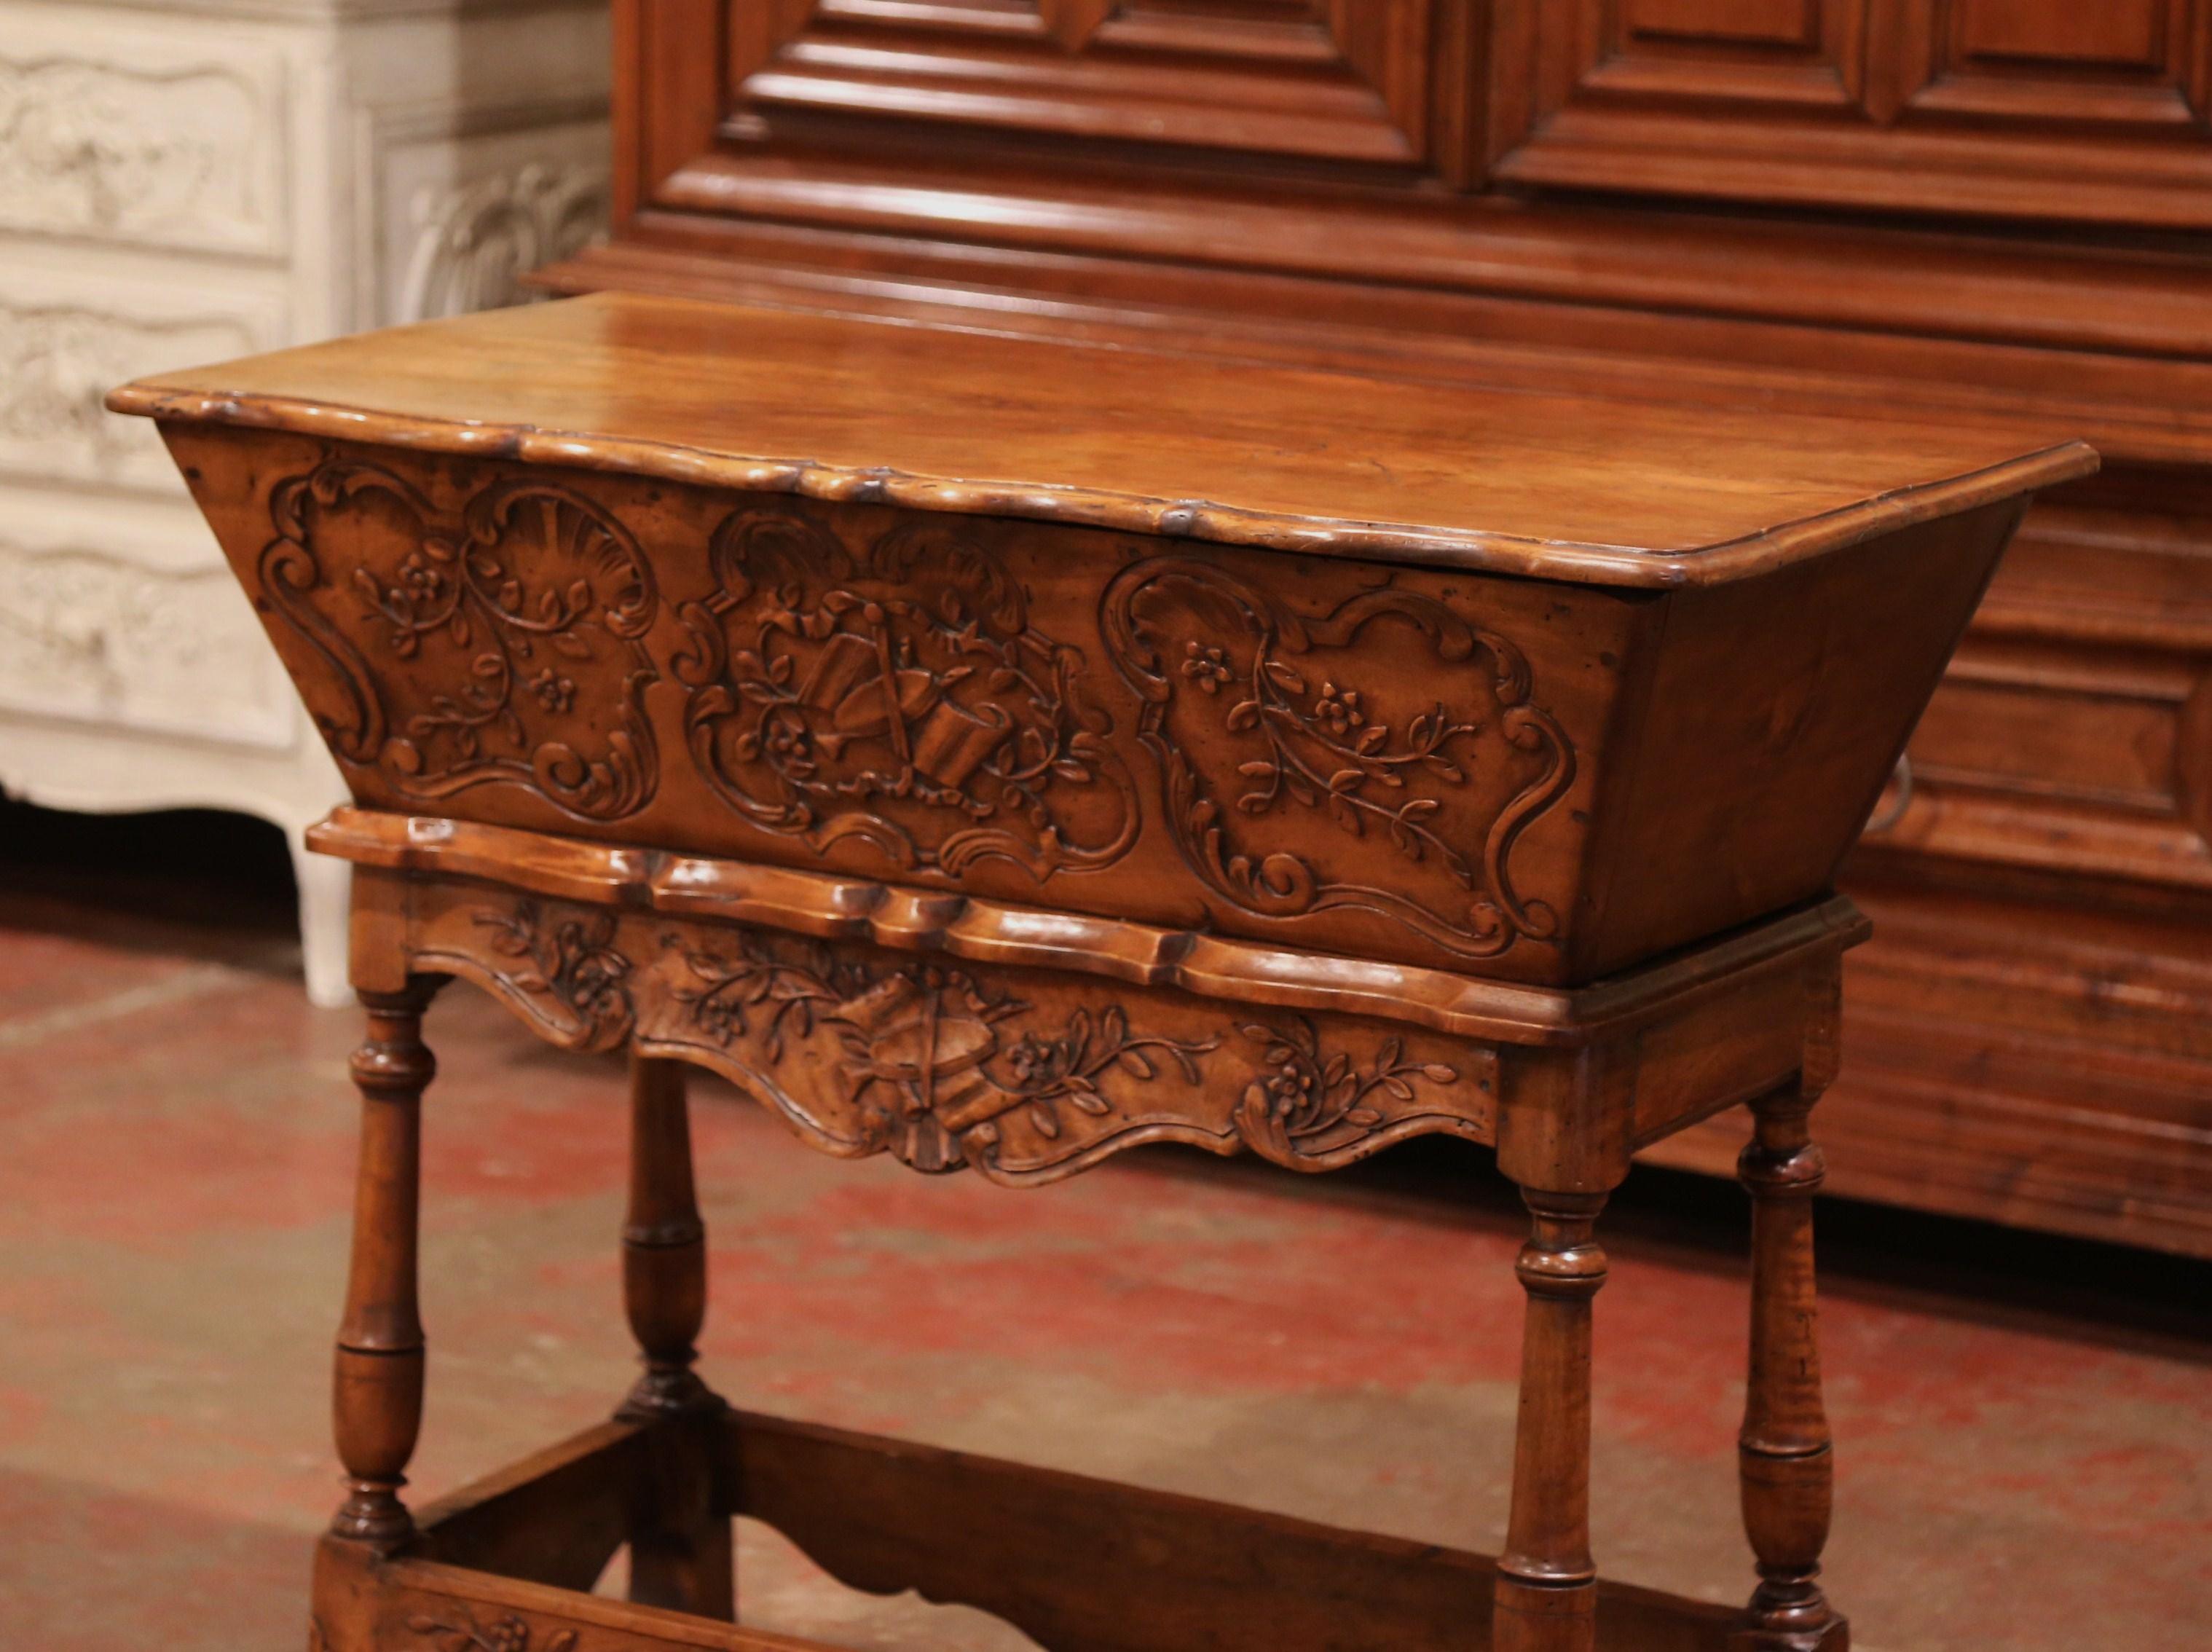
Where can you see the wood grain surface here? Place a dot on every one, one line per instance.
(970, 421)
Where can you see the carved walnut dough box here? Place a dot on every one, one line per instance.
(1415, 688)
(999, 751)
(1523, 686)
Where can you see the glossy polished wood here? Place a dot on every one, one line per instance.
(792, 401)
(1236, 709)
(750, 752)
(1890, 209)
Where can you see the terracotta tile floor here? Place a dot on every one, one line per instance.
(175, 1136)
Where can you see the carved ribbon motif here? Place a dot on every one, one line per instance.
(1261, 724)
(898, 696)
(495, 637)
(868, 1051)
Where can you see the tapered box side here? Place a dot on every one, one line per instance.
(1775, 711)
(1525, 779)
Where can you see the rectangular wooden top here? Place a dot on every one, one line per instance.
(850, 407)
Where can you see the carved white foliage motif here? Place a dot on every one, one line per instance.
(171, 158)
(478, 240)
(84, 634)
(56, 364)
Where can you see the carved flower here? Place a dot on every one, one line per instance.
(1031, 1059)
(1290, 1090)
(422, 578)
(556, 693)
(1206, 666)
(1339, 708)
(790, 741)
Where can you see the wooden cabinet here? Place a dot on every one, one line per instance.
(1999, 108)
(1969, 210)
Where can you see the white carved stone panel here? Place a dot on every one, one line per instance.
(187, 181)
(465, 206)
(97, 637)
(139, 132)
(70, 330)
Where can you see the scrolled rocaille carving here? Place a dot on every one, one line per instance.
(1022, 1076)
(504, 645)
(1267, 725)
(898, 695)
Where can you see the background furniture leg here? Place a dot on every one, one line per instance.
(1784, 1451)
(1546, 1598)
(680, 1551)
(377, 1395)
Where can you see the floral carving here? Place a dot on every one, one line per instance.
(480, 628)
(463, 1633)
(1024, 1075)
(573, 960)
(1304, 1102)
(1257, 716)
(920, 1058)
(898, 696)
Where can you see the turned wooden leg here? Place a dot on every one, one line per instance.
(1546, 1598)
(377, 1396)
(680, 1541)
(1784, 1451)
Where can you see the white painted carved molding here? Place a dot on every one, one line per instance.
(476, 241)
(168, 157)
(57, 361)
(97, 638)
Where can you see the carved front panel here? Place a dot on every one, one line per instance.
(901, 695)
(500, 642)
(1024, 1076)
(1383, 755)
(1334, 754)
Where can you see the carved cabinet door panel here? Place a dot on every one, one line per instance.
(2022, 108)
(1341, 79)
(738, 102)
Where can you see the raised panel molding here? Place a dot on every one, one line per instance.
(1794, 24)
(2139, 63)
(2072, 732)
(1785, 51)
(1339, 80)
(147, 150)
(2007, 108)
